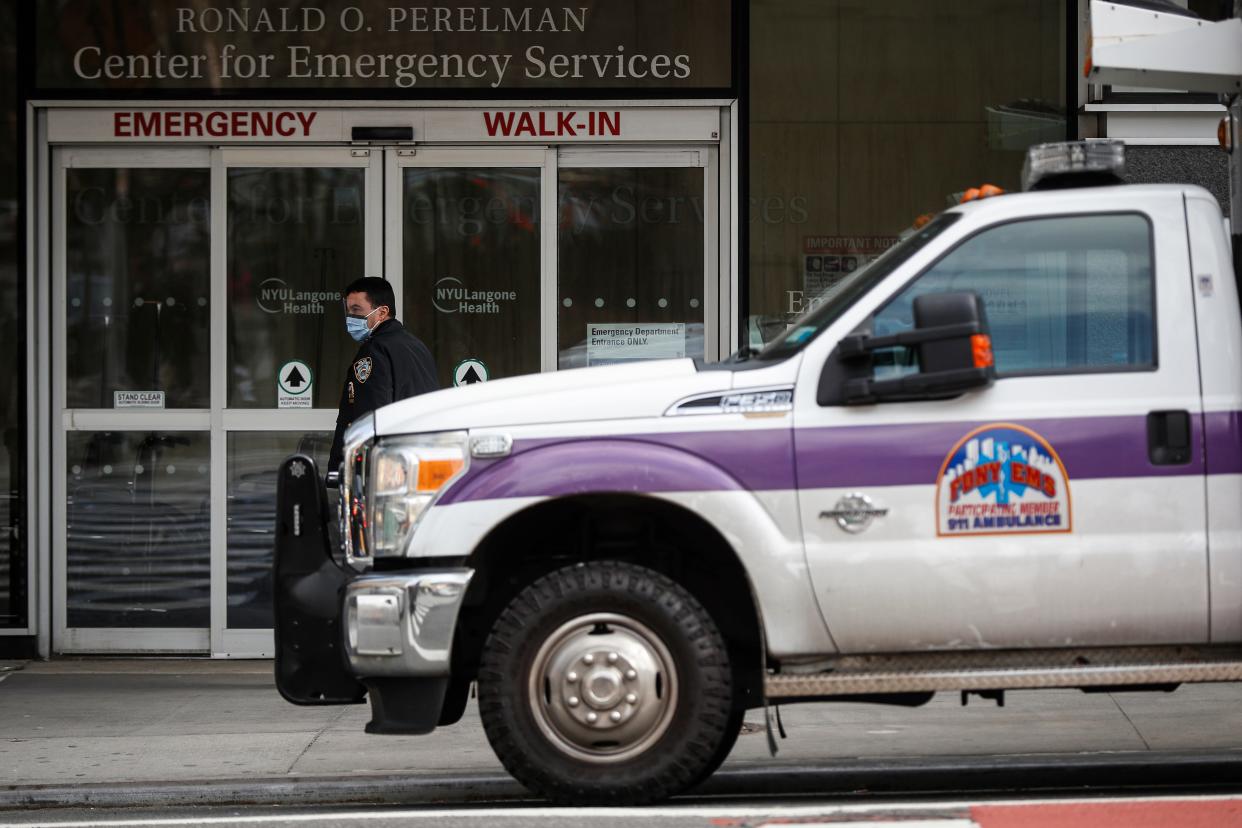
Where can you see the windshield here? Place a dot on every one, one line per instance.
(829, 305)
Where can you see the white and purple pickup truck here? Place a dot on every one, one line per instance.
(1006, 455)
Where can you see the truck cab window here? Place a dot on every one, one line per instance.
(1064, 295)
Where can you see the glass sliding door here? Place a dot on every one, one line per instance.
(466, 240)
(298, 226)
(636, 265)
(132, 304)
(187, 283)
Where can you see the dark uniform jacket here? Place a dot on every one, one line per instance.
(391, 364)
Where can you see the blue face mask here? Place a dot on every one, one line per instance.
(357, 326)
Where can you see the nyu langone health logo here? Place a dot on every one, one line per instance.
(275, 296)
(452, 296)
(1002, 478)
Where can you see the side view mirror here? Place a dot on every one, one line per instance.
(954, 349)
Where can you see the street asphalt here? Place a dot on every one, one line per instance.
(160, 732)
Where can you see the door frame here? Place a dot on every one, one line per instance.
(227, 642)
(217, 420)
(120, 639)
(704, 156)
(542, 158)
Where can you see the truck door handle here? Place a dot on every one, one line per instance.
(1168, 438)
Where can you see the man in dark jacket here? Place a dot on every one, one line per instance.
(391, 364)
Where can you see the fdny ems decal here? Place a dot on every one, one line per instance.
(362, 369)
(1001, 479)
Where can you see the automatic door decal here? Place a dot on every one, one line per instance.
(1002, 479)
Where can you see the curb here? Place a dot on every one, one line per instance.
(1043, 773)
(307, 790)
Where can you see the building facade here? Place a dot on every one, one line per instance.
(187, 185)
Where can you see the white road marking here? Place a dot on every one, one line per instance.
(580, 814)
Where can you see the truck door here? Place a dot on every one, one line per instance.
(1064, 505)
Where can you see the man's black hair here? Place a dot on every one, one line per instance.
(379, 293)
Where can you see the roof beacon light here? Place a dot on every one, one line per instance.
(1074, 164)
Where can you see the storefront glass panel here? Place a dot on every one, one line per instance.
(296, 236)
(470, 265)
(253, 461)
(630, 282)
(137, 287)
(865, 115)
(150, 557)
(138, 529)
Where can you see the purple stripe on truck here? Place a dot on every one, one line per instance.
(911, 454)
(1224, 442)
(839, 457)
(698, 461)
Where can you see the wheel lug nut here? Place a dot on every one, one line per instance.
(588, 659)
(630, 698)
(591, 717)
(612, 658)
(571, 677)
(572, 701)
(615, 715)
(630, 675)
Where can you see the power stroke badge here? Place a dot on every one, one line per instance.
(1002, 479)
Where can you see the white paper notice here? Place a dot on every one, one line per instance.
(137, 399)
(632, 342)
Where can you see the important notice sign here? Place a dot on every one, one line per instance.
(223, 45)
(630, 342)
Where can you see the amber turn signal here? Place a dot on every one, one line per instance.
(1224, 135)
(432, 474)
(982, 191)
(981, 346)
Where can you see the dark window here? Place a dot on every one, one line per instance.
(864, 116)
(13, 388)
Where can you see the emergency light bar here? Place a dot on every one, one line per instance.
(1066, 164)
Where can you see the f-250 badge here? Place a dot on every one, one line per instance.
(1002, 479)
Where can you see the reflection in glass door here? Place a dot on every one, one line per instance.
(298, 226)
(635, 257)
(468, 245)
(132, 302)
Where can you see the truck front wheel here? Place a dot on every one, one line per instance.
(606, 683)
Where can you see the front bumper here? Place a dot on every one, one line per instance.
(342, 636)
(402, 624)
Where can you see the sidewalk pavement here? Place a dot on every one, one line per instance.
(71, 724)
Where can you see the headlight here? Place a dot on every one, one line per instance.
(405, 475)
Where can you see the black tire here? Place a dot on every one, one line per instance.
(732, 730)
(697, 710)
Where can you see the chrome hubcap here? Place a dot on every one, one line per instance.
(603, 688)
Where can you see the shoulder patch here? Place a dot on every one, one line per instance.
(362, 369)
